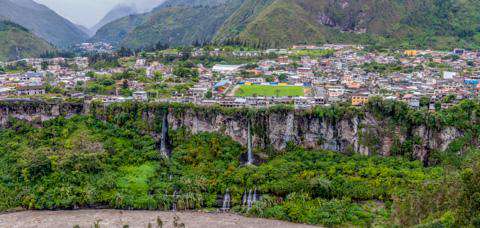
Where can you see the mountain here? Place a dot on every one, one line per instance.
(175, 22)
(42, 21)
(85, 30)
(117, 12)
(401, 23)
(17, 42)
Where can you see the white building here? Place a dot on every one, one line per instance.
(226, 69)
(140, 96)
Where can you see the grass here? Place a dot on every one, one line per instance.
(269, 91)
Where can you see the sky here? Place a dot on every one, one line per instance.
(89, 12)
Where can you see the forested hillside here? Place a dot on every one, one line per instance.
(42, 21)
(413, 23)
(17, 42)
(117, 12)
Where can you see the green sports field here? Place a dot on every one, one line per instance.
(269, 91)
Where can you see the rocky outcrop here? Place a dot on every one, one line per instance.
(37, 111)
(363, 134)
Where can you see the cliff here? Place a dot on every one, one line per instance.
(375, 129)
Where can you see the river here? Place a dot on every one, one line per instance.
(134, 219)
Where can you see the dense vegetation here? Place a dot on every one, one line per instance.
(440, 24)
(85, 162)
(42, 21)
(17, 42)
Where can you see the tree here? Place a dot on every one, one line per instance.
(125, 84)
(124, 52)
(424, 101)
(208, 94)
(44, 65)
(470, 197)
(282, 78)
(157, 75)
(184, 72)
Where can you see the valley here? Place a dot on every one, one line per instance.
(240, 113)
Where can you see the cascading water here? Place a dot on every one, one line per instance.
(249, 199)
(164, 135)
(244, 198)
(226, 201)
(249, 145)
(174, 204)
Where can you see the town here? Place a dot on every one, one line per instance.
(303, 76)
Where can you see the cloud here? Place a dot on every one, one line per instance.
(145, 5)
(89, 12)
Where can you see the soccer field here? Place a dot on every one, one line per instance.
(269, 91)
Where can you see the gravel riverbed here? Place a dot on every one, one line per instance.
(134, 219)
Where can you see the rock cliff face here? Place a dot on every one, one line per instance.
(272, 129)
(351, 135)
(36, 111)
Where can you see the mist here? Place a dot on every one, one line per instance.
(144, 5)
(89, 12)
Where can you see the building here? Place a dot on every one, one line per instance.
(359, 99)
(226, 69)
(31, 90)
(410, 52)
(140, 96)
(449, 75)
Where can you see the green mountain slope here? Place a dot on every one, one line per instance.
(17, 42)
(176, 22)
(407, 23)
(116, 31)
(42, 21)
(179, 25)
(245, 14)
(117, 12)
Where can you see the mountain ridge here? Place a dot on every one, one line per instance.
(42, 21)
(17, 42)
(117, 12)
(278, 23)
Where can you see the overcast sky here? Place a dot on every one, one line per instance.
(89, 12)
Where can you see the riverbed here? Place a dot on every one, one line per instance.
(134, 219)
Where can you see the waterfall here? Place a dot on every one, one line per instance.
(164, 135)
(174, 202)
(249, 145)
(226, 201)
(249, 199)
(289, 135)
(244, 198)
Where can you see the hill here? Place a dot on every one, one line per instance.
(42, 21)
(400, 23)
(86, 30)
(175, 22)
(17, 42)
(117, 12)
